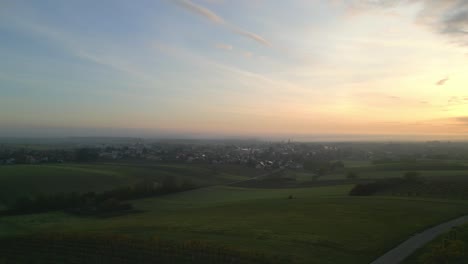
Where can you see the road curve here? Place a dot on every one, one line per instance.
(405, 249)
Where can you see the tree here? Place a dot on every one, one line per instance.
(411, 176)
(86, 154)
(187, 185)
(169, 183)
(23, 204)
(352, 175)
(337, 165)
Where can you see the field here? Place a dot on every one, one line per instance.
(21, 180)
(460, 234)
(307, 225)
(320, 225)
(367, 170)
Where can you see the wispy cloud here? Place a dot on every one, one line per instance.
(264, 81)
(247, 54)
(448, 17)
(200, 10)
(214, 18)
(250, 35)
(214, 1)
(81, 47)
(222, 46)
(462, 119)
(457, 100)
(442, 81)
(378, 100)
(230, 48)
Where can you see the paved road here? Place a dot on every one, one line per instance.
(406, 248)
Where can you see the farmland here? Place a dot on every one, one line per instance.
(321, 223)
(21, 180)
(233, 132)
(308, 219)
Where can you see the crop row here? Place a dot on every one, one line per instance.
(118, 249)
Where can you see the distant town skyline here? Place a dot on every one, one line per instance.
(247, 68)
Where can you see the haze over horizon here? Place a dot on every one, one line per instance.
(234, 68)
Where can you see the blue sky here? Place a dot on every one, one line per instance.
(220, 67)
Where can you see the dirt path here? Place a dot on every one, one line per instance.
(405, 249)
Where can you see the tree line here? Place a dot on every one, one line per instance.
(92, 203)
(365, 189)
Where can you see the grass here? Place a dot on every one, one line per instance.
(367, 170)
(369, 174)
(320, 225)
(364, 172)
(112, 248)
(357, 163)
(21, 180)
(461, 234)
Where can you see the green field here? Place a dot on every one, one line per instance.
(367, 170)
(461, 234)
(21, 180)
(320, 225)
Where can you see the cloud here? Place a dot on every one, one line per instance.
(251, 77)
(76, 45)
(202, 11)
(216, 19)
(442, 81)
(247, 54)
(447, 17)
(382, 100)
(250, 35)
(229, 48)
(214, 1)
(459, 121)
(224, 47)
(462, 119)
(457, 100)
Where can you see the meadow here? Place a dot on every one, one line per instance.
(23, 180)
(368, 170)
(459, 234)
(319, 225)
(304, 225)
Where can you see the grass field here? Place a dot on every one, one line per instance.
(304, 176)
(367, 170)
(320, 225)
(369, 174)
(461, 234)
(20, 180)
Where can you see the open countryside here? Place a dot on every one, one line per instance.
(234, 132)
(300, 214)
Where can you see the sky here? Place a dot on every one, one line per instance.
(260, 68)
